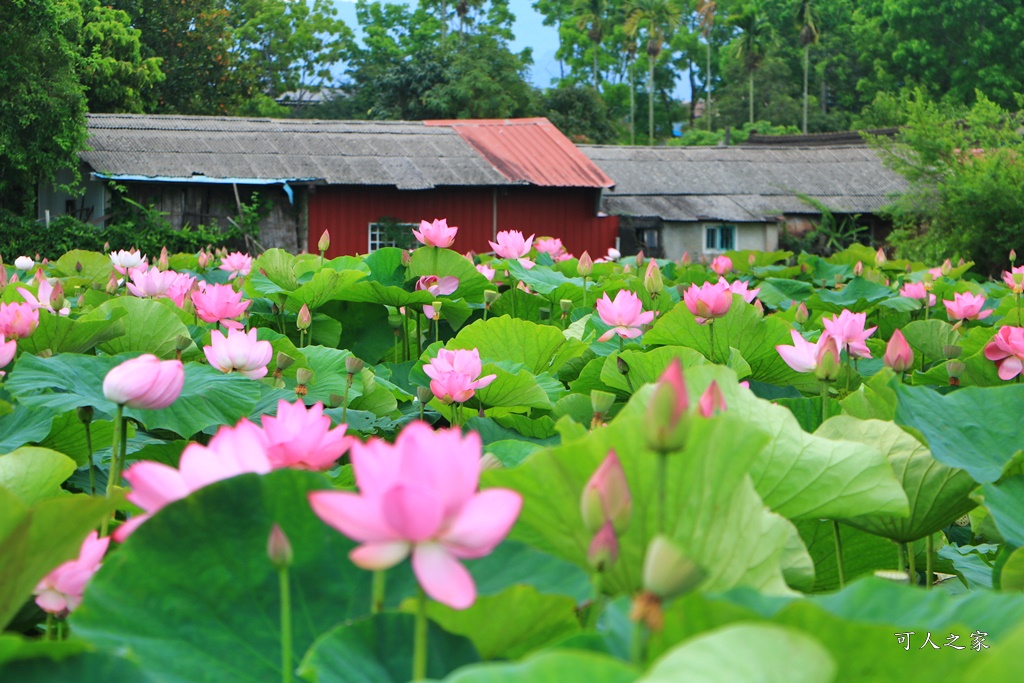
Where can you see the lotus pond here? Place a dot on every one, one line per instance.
(520, 466)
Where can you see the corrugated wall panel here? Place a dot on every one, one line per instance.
(566, 213)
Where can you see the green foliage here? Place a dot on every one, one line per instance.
(966, 183)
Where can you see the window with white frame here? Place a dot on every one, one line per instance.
(390, 234)
(720, 238)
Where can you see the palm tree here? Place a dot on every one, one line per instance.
(806, 17)
(706, 10)
(657, 17)
(591, 16)
(630, 46)
(751, 45)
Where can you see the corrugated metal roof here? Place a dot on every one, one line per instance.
(742, 184)
(403, 154)
(529, 151)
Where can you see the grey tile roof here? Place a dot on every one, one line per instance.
(405, 154)
(742, 183)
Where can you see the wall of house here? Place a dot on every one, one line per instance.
(90, 206)
(479, 212)
(689, 237)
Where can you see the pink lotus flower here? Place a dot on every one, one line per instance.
(898, 354)
(712, 401)
(419, 496)
(123, 261)
(18, 321)
(302, 438)
(511, 244)
(237, 264)
(1014, 279)
(239, 351)
(145, 383)
(436, 234)
(710, 300)
(553, 247)
(60, 591)
(220, 304)
(805, 356)
(486, 271)
(625, 314)
(232, 451)
(453, 375)
(721, 264)
(966, 306)
(153, 283)
(606, 497)
(917, 290)
(741, 287)
(1007, 351)
(45, 294)
(7, 351)
(438, 286)
(848, 330)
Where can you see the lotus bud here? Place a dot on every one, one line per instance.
(490, 462)
(604, 549)
(955, 369)
(639, 260)
(627, 268)
(85, 414)
(406, 258)
(325, 241)
(838, 279)
(80, 302)
(57, 296)
(182, 342)
(3, 275)
(1013, 256)
(490, 296)
(828, 361)
(802, 314)
(667, 412)
(353, 365)
(751, 260)
(585, 266)
(424, 394)
(78, 266)
(712, 401)
(685, 260)
(947, 267)
(668, 573)
(565, 305)
(652, 279)
(304, 319)
(601, 401)
(880, 259)
(759, 306)
(858, 269)
(898, 354)
(163, 263)
(279, 549)
(106, 246)
(395, 319)
(112, 284)
(622, 366)
(204, 259)
(24, 263)
(951, 351)
(45, 353)
(606, 497)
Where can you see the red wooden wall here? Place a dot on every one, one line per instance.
(566, 213)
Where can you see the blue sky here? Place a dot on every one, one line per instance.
(529, 30)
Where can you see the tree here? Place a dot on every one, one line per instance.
(751, 45)
(656, 17)
(112, 68)
(42, 111)
(591, 16)
(965, 170)
(806, 17)
(580, 113)
(706, 12)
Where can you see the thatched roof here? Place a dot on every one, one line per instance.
(404, 154)
(742, 184)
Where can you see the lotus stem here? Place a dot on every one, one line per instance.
(597, 606)
(116, 459)
(585, 294)
(839, 554)
(911, 560)
(344, 404)
(92, 462)
(824, 400)
(51, 630)
(419, 335)
(419, 644)
(711, 334)
(662, 476)
(379, 584)
(901, 556)
(929, 549)
(286, 625)
(638, 645)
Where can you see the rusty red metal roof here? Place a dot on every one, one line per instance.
(529, 151)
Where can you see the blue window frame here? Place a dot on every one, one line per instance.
(720, 238)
